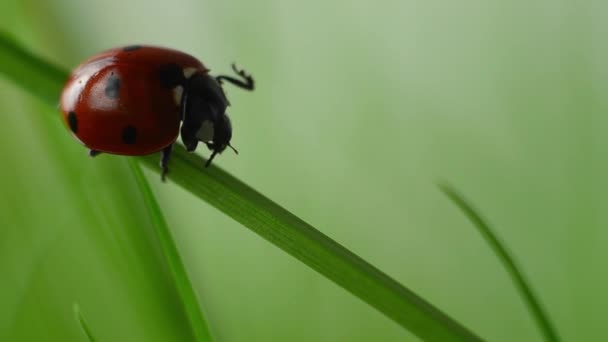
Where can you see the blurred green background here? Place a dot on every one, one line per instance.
(361, 107)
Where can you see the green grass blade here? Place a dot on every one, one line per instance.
(83, 323)
(283, 229)
(522, 285)
(310, 246)
(38, 77)
(184, 287)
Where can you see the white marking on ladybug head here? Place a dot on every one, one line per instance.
(188, 72)
(177, 94)
(206, 132)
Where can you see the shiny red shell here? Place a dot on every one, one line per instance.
(127, 100)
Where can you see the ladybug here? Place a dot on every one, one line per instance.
(132, 100)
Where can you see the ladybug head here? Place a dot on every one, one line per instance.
(222, 133)
(204, 116)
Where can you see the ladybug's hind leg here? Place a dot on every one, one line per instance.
(246, 82)
(93, 153)
(165, 156)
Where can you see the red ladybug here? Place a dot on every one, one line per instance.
(131, 101)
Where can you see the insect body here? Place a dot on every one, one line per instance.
(131, 101)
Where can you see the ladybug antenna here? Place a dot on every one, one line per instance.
(234, 149)
(210, 158)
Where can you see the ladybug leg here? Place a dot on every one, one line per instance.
(164, 161)
(246, 82)
(93, 153)
(213, 154)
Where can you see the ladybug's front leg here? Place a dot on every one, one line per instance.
(165, 156)
(247, 82)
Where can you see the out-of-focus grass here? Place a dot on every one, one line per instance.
(180, 276)
(27, 71)
(280, 227)
(521, 283)
(83, 323)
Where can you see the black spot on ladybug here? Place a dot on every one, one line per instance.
(113, 86)
(129, 135)
(131, 48)
(73, 122)
(171, 75)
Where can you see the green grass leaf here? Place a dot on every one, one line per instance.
(83, 323)
(296, 237)
(525, 290)
(273, 223)
(183, 284)
(40, 79)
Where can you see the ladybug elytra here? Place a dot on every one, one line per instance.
(131, 101)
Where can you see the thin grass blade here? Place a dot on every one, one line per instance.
(182, 282)
(83, 323)
(521, 283)
(39, 78)
(296, 237)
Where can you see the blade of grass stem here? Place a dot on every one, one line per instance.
(39, 78)
(182, 282)
(521, 283)
(83, 323)
(296, 237)
(285, 230)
